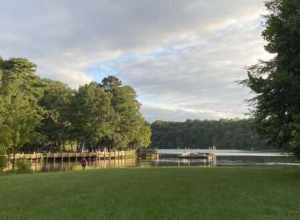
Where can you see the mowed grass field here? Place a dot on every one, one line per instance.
(158, 193)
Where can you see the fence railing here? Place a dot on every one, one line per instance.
(74, 155)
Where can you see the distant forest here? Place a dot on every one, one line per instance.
(229, 134)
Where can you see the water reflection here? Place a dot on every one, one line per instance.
(223, 161)
(49, 166)
(96, 164)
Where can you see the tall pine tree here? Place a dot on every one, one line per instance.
(277, 82)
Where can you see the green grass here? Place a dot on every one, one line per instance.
(166, 193)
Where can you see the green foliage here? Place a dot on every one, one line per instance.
(142, 136)
(56, 125)
(277, 82)
(107, 114)
(19, 111)
(111, 82)
(92, 115)
(130, 124)
(237, 134)
(23, 166)
(3, 162)
(39, 114)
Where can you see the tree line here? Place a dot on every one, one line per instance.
(224, 134)
(40, 114)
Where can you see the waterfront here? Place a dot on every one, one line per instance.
(167, 158)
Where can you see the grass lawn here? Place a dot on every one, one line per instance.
(165, 193)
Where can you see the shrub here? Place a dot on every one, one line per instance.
(3, 162)
(23, 166)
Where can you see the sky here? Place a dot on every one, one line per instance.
(183, 57)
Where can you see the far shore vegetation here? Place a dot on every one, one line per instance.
(223, 134)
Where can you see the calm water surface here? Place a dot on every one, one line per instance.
(224, 158)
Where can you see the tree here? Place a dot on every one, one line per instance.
(110, 82)
(56, 125)
(19, 126)
(36, 112)
(276, 83)
(92, 118)
(130, 127)
(142, 138)
(4, 140)
(19, 112)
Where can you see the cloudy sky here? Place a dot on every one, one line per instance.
(183, 57)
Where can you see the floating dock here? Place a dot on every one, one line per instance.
(209, 157)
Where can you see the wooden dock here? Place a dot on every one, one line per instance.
(148, 154)
(74, 156)
(152, 154)
(208, 157)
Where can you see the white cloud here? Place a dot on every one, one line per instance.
(187, 54)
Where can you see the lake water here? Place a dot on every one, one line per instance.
(230, 153)
(233, 157)
(167, 159)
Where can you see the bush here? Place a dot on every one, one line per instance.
(3, 162)
(23, 166)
